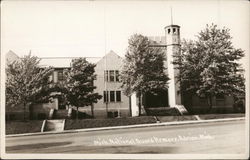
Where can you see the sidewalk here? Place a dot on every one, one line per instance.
(129, 126)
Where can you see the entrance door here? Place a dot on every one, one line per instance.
(156, 100)
(61, 103)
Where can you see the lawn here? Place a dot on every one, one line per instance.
(219, 116)
(18, 127)
(94, 123)
(32, 126)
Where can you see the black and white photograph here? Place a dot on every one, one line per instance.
(92, 79)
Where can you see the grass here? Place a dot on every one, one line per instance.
(94, 123)
(175, 118)
(219, 116)
(18, 127)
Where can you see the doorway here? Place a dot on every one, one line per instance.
(159, 99)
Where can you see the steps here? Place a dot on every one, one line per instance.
(54, 125)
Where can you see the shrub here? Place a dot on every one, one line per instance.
(93, 123)
(162, 111)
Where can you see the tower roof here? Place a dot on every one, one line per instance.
(172, 25)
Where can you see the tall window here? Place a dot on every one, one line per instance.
(106, 75)
(105, 96)
(118, 96)
(111, 76)
(117, 76)
(112, 96)
(60, 75)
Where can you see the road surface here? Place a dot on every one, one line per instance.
(208, 138)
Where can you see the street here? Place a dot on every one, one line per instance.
(212, 138)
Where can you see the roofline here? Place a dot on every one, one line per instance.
(65, 57)
(172, 25)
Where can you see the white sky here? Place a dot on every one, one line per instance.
(91, 28)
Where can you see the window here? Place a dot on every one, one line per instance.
(105, 96)
(168, 30)
(118, 96)
(112, 96)
(60, 75)
(117, 76)
(174, 30)
(111, 76)
(106, 75)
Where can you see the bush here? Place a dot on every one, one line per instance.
(93, 123)
(175, 118)
(162, 111)
(18, 127)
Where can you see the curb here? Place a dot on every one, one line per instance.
(129, 126)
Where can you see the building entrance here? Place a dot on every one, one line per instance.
(160, 99)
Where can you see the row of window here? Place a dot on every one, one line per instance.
(111, 96)
(111, 75)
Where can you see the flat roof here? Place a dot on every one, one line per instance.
(63, 62)
(172, 25)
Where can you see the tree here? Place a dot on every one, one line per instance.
(143, 70)
(79, 86)
(27, 83)
(209, 66)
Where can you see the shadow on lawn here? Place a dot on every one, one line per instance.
(44, 148)
(121, 149)
(36, 146)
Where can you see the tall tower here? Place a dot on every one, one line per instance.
(172, 35)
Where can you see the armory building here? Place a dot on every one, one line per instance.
(114, 103)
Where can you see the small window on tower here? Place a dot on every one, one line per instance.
(169, 31)
(174, 30)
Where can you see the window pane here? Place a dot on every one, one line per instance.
(112, 96)
(168, 30)
(117, 76)
(60, 75)
(106, 75)
(174, 30)
(118, 96)
(112, 76)
(105, 96)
